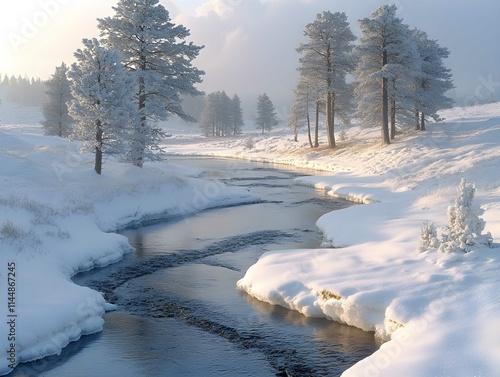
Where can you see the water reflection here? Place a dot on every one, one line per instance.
(188, 274)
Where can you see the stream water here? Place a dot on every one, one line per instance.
(179, 313)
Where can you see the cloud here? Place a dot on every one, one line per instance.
(250, 44)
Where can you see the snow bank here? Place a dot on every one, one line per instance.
(438, 313)
(56, 216)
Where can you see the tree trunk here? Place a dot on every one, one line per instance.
(422, 121)
(296, 129)
(329, 120)
(385, 106)
(316, 127)
(98, 148)
(142, 104)
(393, 118)
(417, 123)
(309, 129)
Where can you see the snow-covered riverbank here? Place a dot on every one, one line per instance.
(56, 216)
(439, 311)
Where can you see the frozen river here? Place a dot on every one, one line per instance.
(179, 313)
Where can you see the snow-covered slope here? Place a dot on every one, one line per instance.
(439, 313)
(55, 219)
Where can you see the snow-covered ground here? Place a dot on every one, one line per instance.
(439, 313)
(57, 217)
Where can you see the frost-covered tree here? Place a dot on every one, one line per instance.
(307, 96)
(217, 116)
(432, 81)
(386, 55)
(102, 104)
(266, 113)
(236, 115)
(208, 117)
(327, 59)
(295, 120)
(156, 50)
(57, 120)
(428, 236)
(465, 227)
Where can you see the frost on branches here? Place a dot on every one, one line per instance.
(102, 101)
(57, 120)
(465, 228)
(156, 51)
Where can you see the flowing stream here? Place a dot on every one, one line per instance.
(179, 313)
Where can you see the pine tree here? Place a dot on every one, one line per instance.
(217, 116)
(307, 96)
(155, 49)
(387, 57)
(208, 117)
(328, 60)
(433, 80)
(102, 105)
(465, 227)
(266, 113)
(225, 115)
(236, 115)
(57, 120)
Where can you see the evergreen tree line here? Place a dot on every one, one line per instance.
(122, 84)
(395, 78)
(23, 90)
(223, 116)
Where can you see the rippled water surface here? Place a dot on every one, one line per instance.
(179, 313)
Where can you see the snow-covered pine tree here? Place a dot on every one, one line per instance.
(295, 119)
(465, 227)
(208, 117)
(57, 120)
(384, 64)
(266, 113)
(428, 236)
(102, 104)
(217, 118)
(405, 66)
(155, 49)
(307, 96)
(328, 59)
(236, 115)
(225, 115)
(433, 80)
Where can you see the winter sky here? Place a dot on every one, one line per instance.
(250, 44)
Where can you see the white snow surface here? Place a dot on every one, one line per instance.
(57, 217)
(439, 314)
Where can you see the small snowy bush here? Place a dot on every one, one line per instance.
(465, 228)
(428, 236)
(249, 143)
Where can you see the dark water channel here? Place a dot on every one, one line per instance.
(179, 313)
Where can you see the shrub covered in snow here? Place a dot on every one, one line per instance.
(428, 236)
(465, 228)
